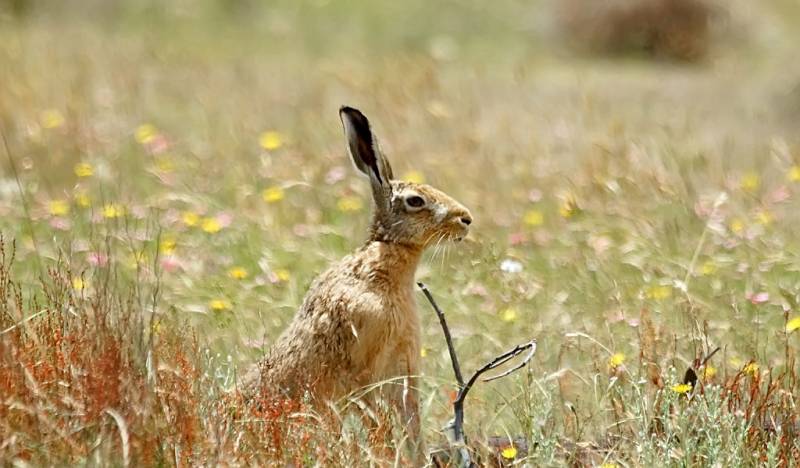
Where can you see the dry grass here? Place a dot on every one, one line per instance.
(88, 380)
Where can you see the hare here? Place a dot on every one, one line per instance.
(358, 323)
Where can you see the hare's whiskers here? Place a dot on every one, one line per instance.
(439, 246)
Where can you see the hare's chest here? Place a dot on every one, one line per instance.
(384, 328)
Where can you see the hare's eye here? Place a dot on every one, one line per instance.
(415, 201)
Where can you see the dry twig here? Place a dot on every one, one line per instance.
(456, 427)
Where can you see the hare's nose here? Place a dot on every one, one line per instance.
(466, 220)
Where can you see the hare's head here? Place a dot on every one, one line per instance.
(405, 212)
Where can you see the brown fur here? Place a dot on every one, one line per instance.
(358, 324)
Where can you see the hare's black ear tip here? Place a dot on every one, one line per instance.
(347, 110)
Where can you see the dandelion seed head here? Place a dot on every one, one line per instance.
(510, 266)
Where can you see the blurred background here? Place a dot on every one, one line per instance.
(626, 162)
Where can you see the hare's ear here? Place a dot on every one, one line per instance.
(364, 150)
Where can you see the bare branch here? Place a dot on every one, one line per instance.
(447, 337)
(458, 404)
(531, 345)
(456, 428)
(709, 356)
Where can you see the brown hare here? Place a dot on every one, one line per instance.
(358, 323)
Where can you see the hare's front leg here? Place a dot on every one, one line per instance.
(405, 399)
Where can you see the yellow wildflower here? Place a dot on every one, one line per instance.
(190, 218)
(569, 207)
(237, 273)
(273, 194)
(509, 453)
(764, 217)
(414, 177)
(167, 245)
(423, 352)
(616, 360)
(270, 140)
(709, 372)
(82, 199)
(658, 292)
(78, 284)
(112, 210)
(59, 207)
(51, 118)
(84, 169)
(750, 182)
(349, 203)
(509, 315)
(737, 225)
(211, 225)
(793, 324)
(164, 164)
(708, 268)
(282, 275)
(145, 133)
(681, 388)
(533, 218)
(219, 304)
(136, 259)
(751, 368)
(609, 465)
(794, 174)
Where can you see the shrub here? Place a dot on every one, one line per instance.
(672, 29)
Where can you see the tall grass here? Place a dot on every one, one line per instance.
(92, 379)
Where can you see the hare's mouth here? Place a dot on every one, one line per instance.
(458, 237)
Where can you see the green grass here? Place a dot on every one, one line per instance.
(616, 164)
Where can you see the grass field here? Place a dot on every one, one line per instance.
(173, 177)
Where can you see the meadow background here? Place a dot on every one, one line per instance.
(173, 175)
